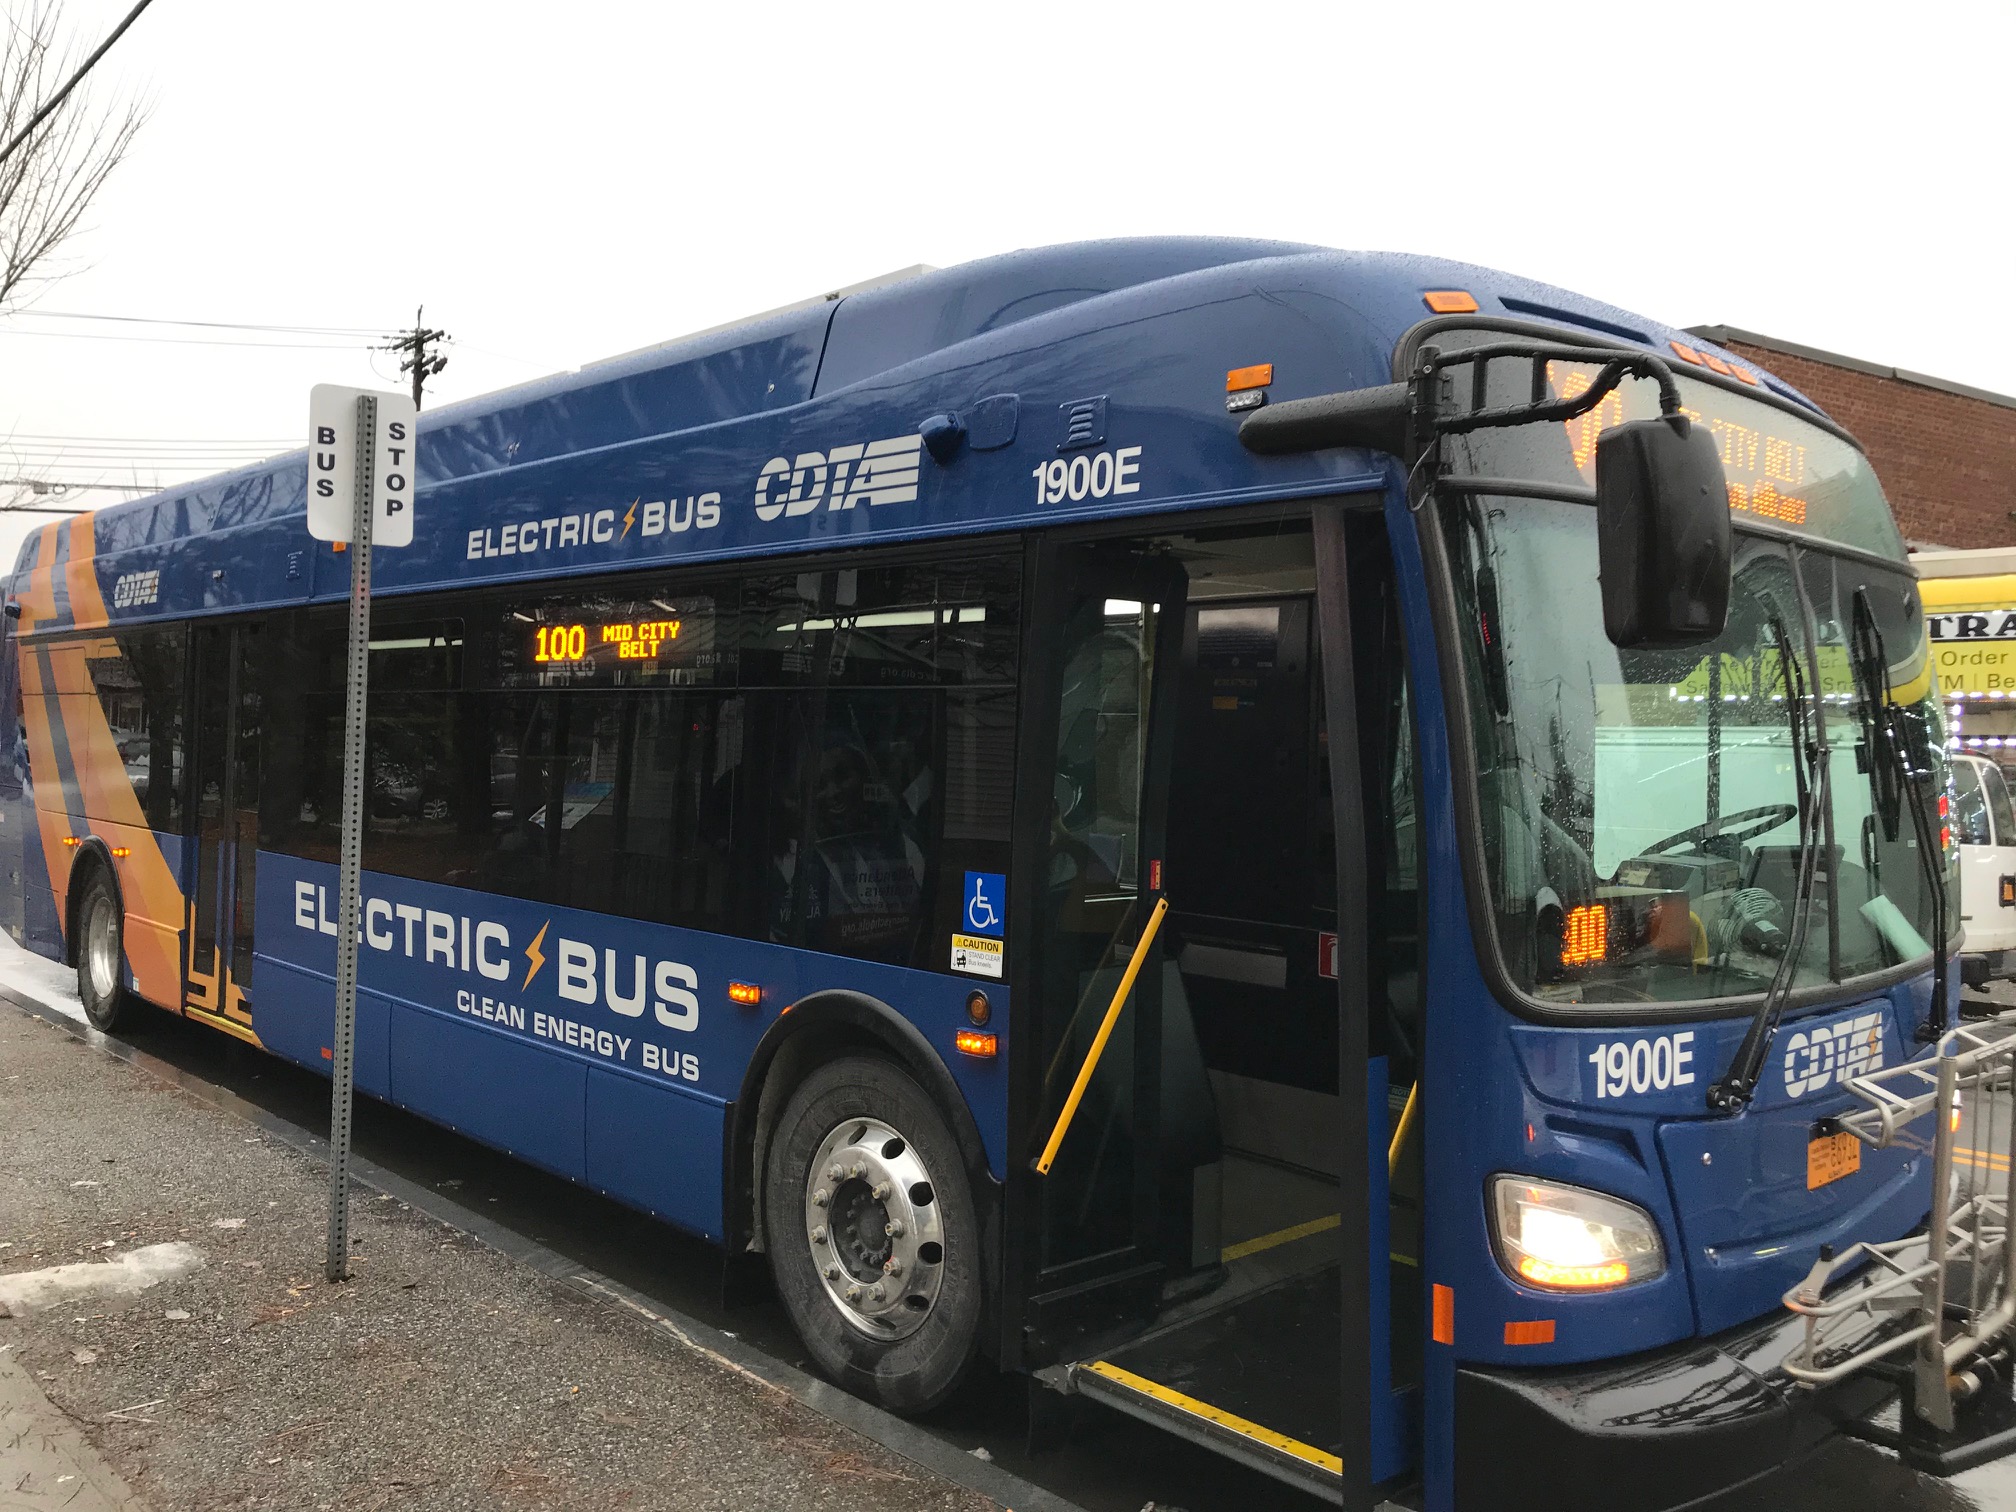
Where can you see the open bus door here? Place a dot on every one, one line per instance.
(222, 826)
(1193, 1266)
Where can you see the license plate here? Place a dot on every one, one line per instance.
(1829, 1157)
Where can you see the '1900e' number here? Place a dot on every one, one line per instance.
(1644, 1065)
(1089, 475)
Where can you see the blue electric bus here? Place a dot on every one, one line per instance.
(1299, 843)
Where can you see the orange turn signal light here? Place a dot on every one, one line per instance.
(973, 1042)
(1258, 376)
(1580, 1277)
(748, 994)
(122, 851)
(72, 840)
(1450, 301)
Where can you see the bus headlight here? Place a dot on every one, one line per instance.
(1563, 1238)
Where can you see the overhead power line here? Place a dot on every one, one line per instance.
(159, 440)
(50, 105)
(305, 346)
(214, 325)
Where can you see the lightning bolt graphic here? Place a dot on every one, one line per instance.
(535, 955)
(629, 519)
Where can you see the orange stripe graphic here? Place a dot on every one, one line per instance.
(87, 604)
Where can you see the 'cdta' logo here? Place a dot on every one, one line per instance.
(877, 472)
(1830, 1053)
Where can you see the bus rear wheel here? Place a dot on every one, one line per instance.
(101, 956)
(869, 1220)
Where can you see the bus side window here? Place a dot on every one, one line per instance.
(140, 690)
(889, 713)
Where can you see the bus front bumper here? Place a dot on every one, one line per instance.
(1656, 1432)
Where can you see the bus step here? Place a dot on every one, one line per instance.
(1257, 1381)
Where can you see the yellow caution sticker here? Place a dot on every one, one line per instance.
(976, 955)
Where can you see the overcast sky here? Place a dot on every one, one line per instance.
(559, 183)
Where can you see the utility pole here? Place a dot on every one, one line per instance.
(418, 360)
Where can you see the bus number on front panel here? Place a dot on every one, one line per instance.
(1644, 1065)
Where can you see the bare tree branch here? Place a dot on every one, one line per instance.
(50, 181)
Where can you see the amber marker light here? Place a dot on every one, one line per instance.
(977, 1009)
(748, 994)
(72, 840)
(122, 851)
(1685, 353)
(973, 1042)
(1258, 376)
(1450, 301)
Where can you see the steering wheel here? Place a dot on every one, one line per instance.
(1742, 825)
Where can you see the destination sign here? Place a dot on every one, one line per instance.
(1769, 475)
(601, 640)
(633, 640)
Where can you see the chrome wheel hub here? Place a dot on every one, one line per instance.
(872, 1224)
(101, 948)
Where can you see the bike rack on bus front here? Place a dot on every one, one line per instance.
(1956, 1297)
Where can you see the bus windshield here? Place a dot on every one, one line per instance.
(1642, 810)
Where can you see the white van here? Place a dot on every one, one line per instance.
(1985, 826)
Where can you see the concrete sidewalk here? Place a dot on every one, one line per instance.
(45, 1461)
(445, 1375)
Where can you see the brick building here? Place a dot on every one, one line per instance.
(1946, 453)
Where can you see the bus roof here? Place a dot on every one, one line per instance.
(801, 429)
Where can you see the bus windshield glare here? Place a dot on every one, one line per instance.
(1641, 810)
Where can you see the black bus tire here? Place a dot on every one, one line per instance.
(904, 1338)
(101, 956)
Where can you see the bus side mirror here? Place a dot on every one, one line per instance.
(1664, 541)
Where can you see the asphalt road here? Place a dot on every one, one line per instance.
(1106, 1464)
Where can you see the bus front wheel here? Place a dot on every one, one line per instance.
(869, 1220)
(101, 956)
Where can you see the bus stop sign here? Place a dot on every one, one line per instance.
(333, 455)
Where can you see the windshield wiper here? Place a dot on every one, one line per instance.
(1738, 1085)
(1894, 784)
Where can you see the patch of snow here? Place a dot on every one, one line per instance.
(50, 983)
(121, 1276)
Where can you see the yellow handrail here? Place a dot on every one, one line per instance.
(1070, 1109)
(1407, 1116)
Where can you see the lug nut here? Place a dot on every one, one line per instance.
(834, 1172)
(892, 1266)
(880, 1191)
(857, 1170)
(854, 1293)
(874, 1294)
(821, 1197)
(819, 1234)
(893, 1228)
(832, 1273)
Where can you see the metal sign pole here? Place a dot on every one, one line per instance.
(345, 1038)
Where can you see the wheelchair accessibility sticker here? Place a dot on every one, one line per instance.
(976, 949)
(986, 903)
